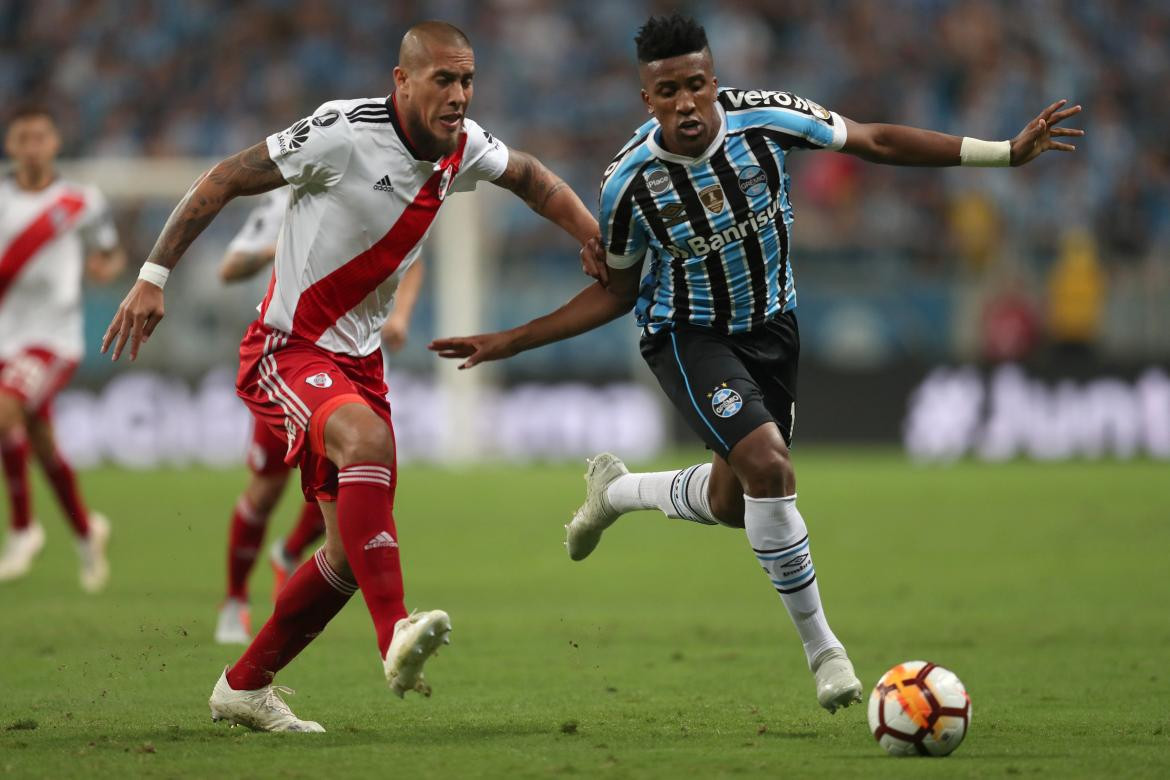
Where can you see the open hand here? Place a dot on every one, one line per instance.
(1036, 137)
(476, 349)
(593, 260)
(138, 315)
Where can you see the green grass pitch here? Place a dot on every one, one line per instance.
(666, 654)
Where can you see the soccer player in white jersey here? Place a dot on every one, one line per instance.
(700, 197)
(52, 231)
(367, 178)
(251, 251)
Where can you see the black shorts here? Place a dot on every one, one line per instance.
(726, 386)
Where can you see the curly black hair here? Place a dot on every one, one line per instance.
(669, 36)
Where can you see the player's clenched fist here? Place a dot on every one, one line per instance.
(138, 315)
(593, 260)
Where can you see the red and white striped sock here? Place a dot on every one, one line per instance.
(309, 528)
(365, 517)
(245, 535)
(64, 484)
(14, 452)
(313, 595)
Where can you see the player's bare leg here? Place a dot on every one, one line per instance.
(245, 536)
(725, 493)
(91, 528)
(780, 540)
(25, 536)
(361, 445)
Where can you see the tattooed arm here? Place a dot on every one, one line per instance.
(547, 195)
(249, 172)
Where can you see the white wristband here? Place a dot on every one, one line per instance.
(155, 274)
(985, 154)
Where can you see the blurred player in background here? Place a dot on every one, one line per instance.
(52, 231)
(701, 190)
(252, 250)
(368, 177)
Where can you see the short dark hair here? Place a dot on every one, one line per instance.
(663, 37)
(28, 110)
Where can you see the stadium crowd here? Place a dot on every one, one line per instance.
(207, 77)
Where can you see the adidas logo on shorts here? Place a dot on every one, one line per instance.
(384, 184)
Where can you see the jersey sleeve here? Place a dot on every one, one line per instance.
(97, 230)
(262, 227)
(815, 126)
(314, 151)
(622, 235)
(484, 158)
(803, 123)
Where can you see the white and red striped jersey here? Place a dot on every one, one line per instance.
(360, 205)
(44, 238)
(262, 227)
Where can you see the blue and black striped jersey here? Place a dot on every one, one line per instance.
(716, 227)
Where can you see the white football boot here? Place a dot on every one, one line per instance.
(95, 569)
(20, 549)
(234, 626)
(416, 638)
(259, 710)
(837, 684)
(583, 533)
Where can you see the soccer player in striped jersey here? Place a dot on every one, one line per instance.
(367, 179)
(251, 251)
(696, 221)
(52, 233)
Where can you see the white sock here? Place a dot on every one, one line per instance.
(679, 494)
(779, 539)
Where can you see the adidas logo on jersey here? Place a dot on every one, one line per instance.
(384, 184)
(381, 539)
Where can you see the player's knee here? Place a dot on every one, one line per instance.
(355, 434)
(11, 414)
(263, 493)
(40, 438)
(768, 473)
(369, 444)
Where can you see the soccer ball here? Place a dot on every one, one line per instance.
(918, 708)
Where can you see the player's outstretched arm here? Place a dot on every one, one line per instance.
(902, 145)
(594, 306)
(249, 172)
(549, 196)
(238, 265)
(397, 325)
(104, 265)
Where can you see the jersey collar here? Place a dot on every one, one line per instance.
(716, 142)
(392, 104)
(400, 129)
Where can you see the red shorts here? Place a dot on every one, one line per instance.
(35, 375)
(266, 452)
(292, 386)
